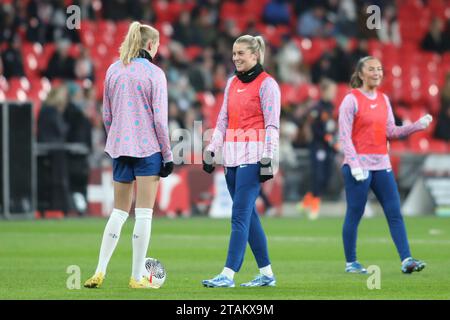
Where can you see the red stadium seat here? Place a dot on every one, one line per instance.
(438, 146)
(342, 90)
(169, 11)
(253, 9)
(87, 33)
(230, 9)
(272, 34)
(419, 145)
(438, 8)
(313, 49)
(396, 148)
(192, 52)
(375, 48)
(207, 102)
(30, 53)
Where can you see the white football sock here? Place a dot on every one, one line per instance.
(141, 238)
(110, 238)
(267, 271)
(228, 273)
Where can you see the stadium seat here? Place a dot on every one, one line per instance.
(313, 49)
(207, 102)
(396, 149)
(87, 33)
(253, 9)
(30, 53)
(438, 146)
(342, 90)
(169, 11)
(273, 34)
(192, 52)
(419, 145)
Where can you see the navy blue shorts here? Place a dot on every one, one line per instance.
(126, 169)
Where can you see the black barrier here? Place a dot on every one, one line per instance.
(17, 160)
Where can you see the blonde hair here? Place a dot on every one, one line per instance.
(255, 44)
(355, 80)
(137, 38)
(57, 97)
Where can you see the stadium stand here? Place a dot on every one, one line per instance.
(414, 78)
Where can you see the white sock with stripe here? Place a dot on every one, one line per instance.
(110, 239)
(267, 271)
(229, 273)
(141, 239)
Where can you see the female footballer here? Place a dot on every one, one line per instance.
(135, 118)
(366, 123)
(247, 131)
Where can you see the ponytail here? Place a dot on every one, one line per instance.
(137, 38)
(261, 49)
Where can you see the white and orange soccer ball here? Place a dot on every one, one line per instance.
(155, 272)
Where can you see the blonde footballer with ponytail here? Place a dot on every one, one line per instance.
(139, 36)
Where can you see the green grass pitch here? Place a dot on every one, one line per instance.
(307, 258)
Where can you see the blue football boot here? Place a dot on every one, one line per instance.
(261, 281)
(410, 265)
(219, 281)
(356, 267)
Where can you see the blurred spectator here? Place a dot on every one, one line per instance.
(363, 31)
(322, 147)
(437, 39)
(84, 67)
(276, 12)
(184, 31)
(191, 116)
(9, 23)
(51, 124)
(345, 20)
(341, 59)
(323, 68)
(183, 93)
(219, 78)
(58, 24)
(304, 134)
(175, 117)
(61, 65)
(289, 60)
(117, 9)
(361, 50)
(79, 130)
(301, 6)
(53, 178)
(288, 133)
(334, 64)
(204, 26)
(442, 130)
(11, 59)
(200, 74)
(390, 30)
(313, 23)
(39, 15)
(86, 8)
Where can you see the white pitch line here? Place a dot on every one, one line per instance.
(300, 239)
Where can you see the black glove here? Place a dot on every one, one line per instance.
(166, 169)
(208, 162)
(266, 171)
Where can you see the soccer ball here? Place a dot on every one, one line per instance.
(155, 272)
